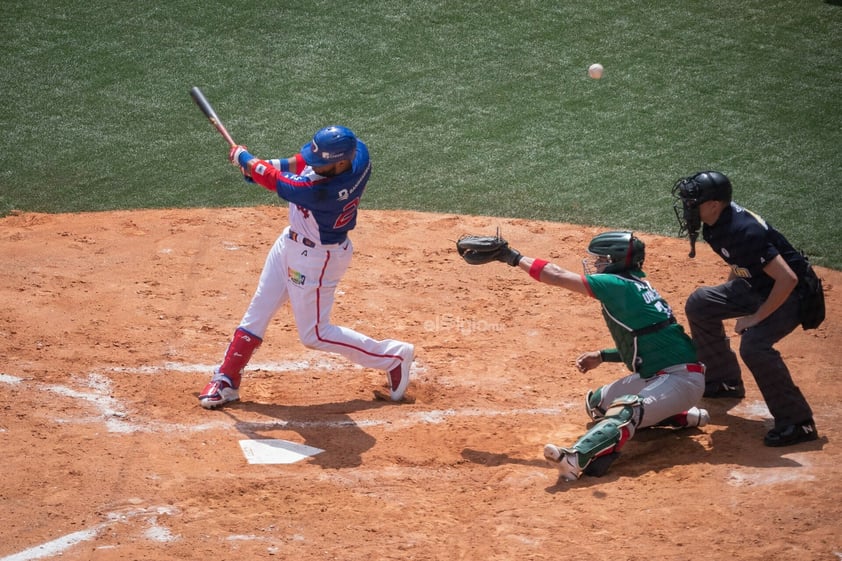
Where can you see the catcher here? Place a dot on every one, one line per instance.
(666, 380)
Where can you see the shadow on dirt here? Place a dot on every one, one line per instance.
(732, 440)
(326, 426)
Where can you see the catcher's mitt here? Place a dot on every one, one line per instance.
(479, 250)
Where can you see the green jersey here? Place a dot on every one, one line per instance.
(641, 323)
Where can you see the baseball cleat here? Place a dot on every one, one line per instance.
(697, 417)
(565, 459)
(217, 393)
(398, 377)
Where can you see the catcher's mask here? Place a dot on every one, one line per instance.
(614, 252)
(690, 192)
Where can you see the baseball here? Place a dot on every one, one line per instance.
(595, 71)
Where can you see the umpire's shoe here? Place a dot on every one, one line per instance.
(725, 389)
(792, 434)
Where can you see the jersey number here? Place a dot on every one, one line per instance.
(349, 211)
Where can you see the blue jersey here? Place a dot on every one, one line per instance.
(747, 243)
(323, 209)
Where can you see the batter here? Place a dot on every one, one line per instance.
(324, 184)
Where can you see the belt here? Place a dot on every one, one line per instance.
(654, 327)
(294, 236)
(696, 367)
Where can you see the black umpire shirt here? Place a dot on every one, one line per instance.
(747, 243)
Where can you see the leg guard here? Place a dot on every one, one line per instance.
(612, 432)
(237, 357)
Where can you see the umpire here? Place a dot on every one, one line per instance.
(760, 293)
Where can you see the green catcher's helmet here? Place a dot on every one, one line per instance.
(618, 252)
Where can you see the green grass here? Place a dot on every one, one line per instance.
(468, 107)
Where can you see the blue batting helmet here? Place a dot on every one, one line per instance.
(330, 145)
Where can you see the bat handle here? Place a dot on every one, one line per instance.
(225, 134)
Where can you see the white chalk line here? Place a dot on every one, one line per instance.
(116, 418)
(775, 475)
(154, 532)
(433, 417)
(98, 393)
(114, 414)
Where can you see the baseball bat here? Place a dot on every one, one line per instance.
(207, 109)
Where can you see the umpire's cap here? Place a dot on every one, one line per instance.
(330, 145)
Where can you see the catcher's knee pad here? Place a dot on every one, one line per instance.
(593, 404)
(614, 430)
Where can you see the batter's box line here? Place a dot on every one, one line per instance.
(57, 546)
(113, 413)
(432, 417)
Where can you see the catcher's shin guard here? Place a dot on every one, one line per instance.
(237, 356)
(608, 435)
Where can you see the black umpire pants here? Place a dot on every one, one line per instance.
(708, 306)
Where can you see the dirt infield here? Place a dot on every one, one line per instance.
(112, 322)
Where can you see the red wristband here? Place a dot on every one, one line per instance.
(536, 268)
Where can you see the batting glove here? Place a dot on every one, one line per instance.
(234, 154)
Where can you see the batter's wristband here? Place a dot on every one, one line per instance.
(244, 158)
(536, 268)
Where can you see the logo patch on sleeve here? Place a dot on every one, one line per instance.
(260, 169)
(296, 277)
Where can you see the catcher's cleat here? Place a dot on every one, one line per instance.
(398, 377)
(565, 459)
(693, 417)
(792, 434)
(696, 417)
(216, 393)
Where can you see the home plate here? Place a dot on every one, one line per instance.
(276, 451)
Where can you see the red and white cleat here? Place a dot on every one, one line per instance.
(216, 393)
(398, 377)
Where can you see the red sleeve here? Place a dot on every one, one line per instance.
(262, 174)
(289, 186)
(300, 164)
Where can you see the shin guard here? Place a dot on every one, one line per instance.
(237, 356)
(610, 434)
